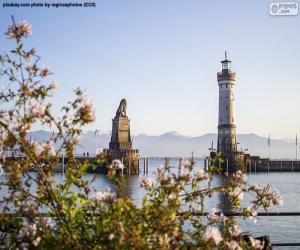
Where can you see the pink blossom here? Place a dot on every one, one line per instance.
(251, 211)
(172, 196)
(147, 183)
(160, 176)
(240, 176)
(105, 196)
(256, 244)
(87, 111)
(212, 216)
(38, 109)
(48, 120)
(201, 175)
(213, 235)
(53, 85)
(236, 193)
(46, 222)
(49, 147)
(45, 72)
(75, 139)
(26, 28)
(28, 230)
(37, 148)
(223, 218)
(11, 31)
(3, 135)
(24, 127)
(17, 31)
(196, 209)
(235, 231)
(276, 197)
(36, 241)
(111, 236)
(234, 245)
(24, 246)
(82, 98)
(184, 163)
(99, 151)
(117, 164)
(256, 187)
(188, 163)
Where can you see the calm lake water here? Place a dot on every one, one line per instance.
(280, 229)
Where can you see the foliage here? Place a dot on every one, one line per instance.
(40, 213)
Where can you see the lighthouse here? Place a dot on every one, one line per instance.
(227, 144)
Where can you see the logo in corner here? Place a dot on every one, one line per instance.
(284, 9)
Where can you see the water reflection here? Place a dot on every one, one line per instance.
(132, 188)
(224, 204)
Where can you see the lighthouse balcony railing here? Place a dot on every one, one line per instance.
(226, 75)
(221, 73)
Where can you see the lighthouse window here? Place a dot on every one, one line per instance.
(226, 85)
(226, 108)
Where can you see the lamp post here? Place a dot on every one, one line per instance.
(212, 149)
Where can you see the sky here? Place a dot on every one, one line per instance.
(163, 57)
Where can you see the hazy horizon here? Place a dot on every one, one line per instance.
(174, 144)
(108, 132)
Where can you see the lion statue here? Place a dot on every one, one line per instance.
(122, 108)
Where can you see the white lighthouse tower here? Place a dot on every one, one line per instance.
(227, 145)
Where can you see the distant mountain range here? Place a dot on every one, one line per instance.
(175, 144)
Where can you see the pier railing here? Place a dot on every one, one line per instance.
(260, 214)
(263, 165)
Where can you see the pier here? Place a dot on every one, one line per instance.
(93, 159)
(63, 160)
(255, 164)
(267, 165)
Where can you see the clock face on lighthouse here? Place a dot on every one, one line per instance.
(231, 97)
